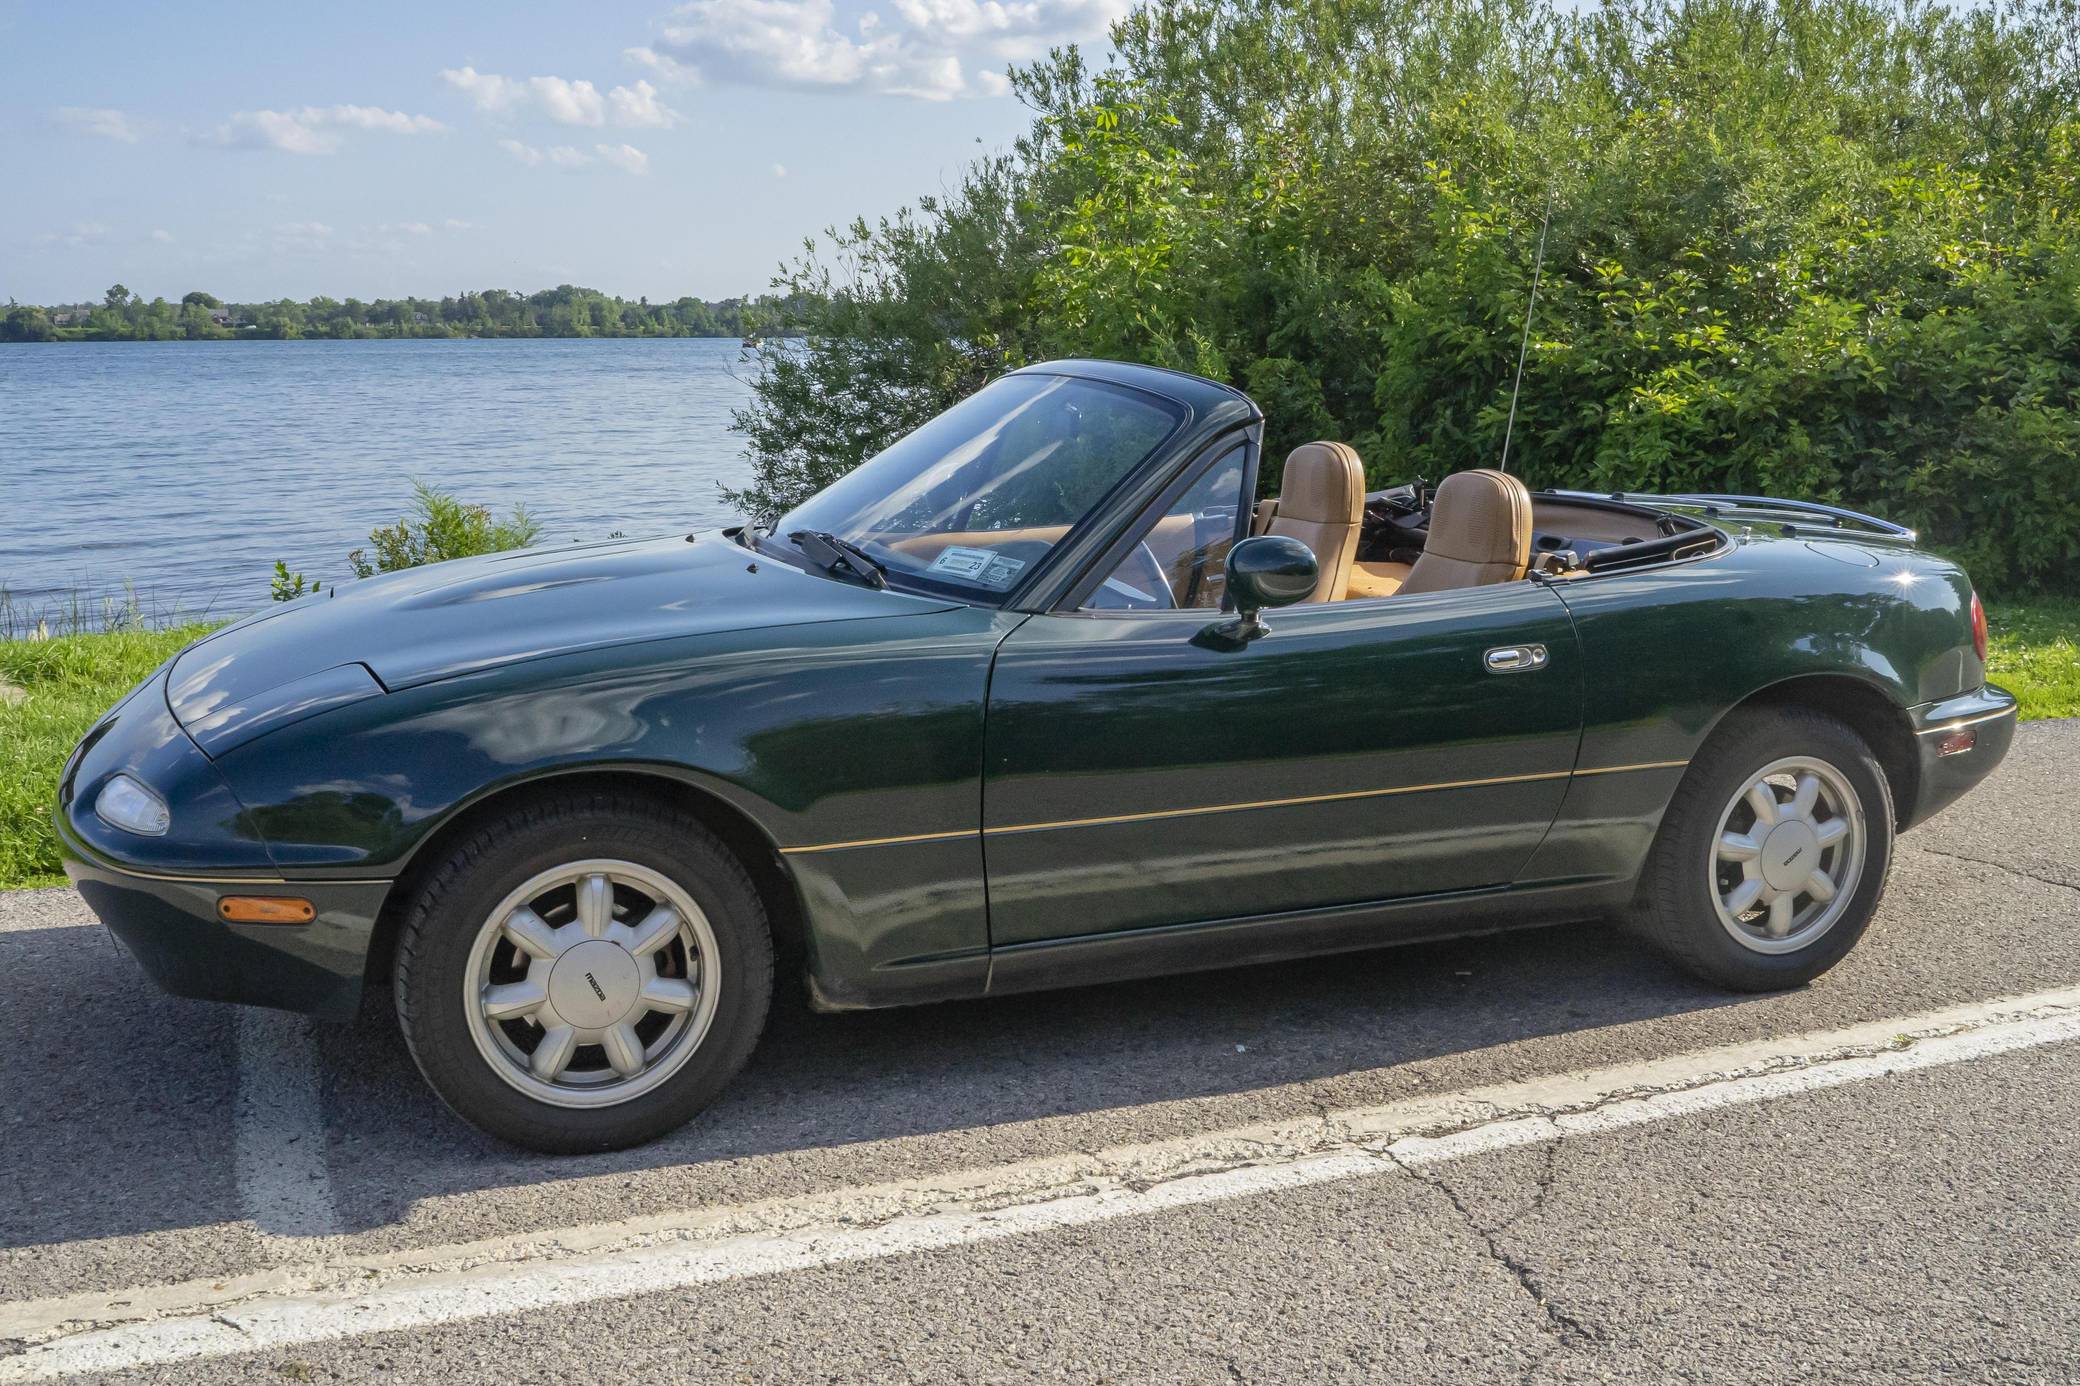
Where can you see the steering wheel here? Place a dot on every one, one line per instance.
(1144, 570)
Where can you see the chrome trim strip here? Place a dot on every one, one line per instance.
(101, 865)
(1959, 723)
(1204, 809)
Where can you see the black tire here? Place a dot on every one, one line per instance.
(502, 854)
(1677, 908)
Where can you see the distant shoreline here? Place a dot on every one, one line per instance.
(566, 311)
(72, 340)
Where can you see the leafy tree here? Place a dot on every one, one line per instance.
(1823, 248)
(26, 323)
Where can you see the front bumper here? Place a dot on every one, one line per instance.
(170, 925)
(1944, 773)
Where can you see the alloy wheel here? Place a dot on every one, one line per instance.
(1787, 855)
(592, 983)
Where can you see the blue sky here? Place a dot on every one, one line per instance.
(380, 148)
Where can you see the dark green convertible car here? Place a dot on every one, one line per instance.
(1035, 697)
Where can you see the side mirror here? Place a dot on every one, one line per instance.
(1266, 570)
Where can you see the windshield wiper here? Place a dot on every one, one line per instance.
(832, 554)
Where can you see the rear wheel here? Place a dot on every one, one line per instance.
(1773, 854)
(584, 973)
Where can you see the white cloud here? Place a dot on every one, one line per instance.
(779, 170)
(924, 52)
(376, 118)
(79, 233)
(98, 120)
(562, 100)
(405, 228)
(316, 129)
(162, 235)
(568, 103)
(490, 92)
(625, 157)
(276, 130)
(795, 43)
(457, 224)
(638, 108)
(318, 230)
(665, 66)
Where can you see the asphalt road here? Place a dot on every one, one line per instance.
(1156, 1181)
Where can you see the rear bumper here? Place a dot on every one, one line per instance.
(170, 925)
(1983, 723)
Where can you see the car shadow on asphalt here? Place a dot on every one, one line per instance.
(824, 1082)
(148, 1091)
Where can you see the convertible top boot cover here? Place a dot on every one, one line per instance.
(1322, 503)
(1480, 532)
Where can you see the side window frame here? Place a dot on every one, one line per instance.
(1218, 453)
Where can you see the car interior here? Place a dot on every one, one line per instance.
(1473, 528)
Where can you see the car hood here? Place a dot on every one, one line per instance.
(424, 624)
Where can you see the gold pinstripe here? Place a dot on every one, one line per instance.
(1153, 814)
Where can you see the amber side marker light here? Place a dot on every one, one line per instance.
(1957, 742)
(265, 909)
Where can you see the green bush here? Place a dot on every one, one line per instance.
(442, 528)
(1821, 248)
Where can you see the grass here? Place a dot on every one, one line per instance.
(2033, 651)
(93, 611)
(52, 690)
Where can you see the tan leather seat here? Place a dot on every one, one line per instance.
(1321, 503)
(1376, 579)
(1480, 532)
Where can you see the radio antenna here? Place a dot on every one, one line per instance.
(1538, 267)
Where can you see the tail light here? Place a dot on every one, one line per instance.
(1978, 628)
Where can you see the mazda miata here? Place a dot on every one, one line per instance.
(1036, 697)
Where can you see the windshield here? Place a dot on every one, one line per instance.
(973, 499)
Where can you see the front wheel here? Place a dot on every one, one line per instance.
(584, 973)
(1773, 853)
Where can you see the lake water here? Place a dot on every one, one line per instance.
(189, 468)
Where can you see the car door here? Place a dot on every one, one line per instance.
(1137, 774)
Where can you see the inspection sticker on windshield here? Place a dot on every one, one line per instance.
(985, 566)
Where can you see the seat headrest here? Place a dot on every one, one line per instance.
(1324, 484)
(1481, 517)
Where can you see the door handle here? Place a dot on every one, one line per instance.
(1515, 659)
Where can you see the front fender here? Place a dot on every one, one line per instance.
(830, 738)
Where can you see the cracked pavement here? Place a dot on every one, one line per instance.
(1920, 1226)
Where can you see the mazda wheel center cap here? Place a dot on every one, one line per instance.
(1789, 854)
(594, 985)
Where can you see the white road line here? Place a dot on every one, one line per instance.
(284, 1188)
(353, 1296)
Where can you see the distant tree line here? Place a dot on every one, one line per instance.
(564, 311)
